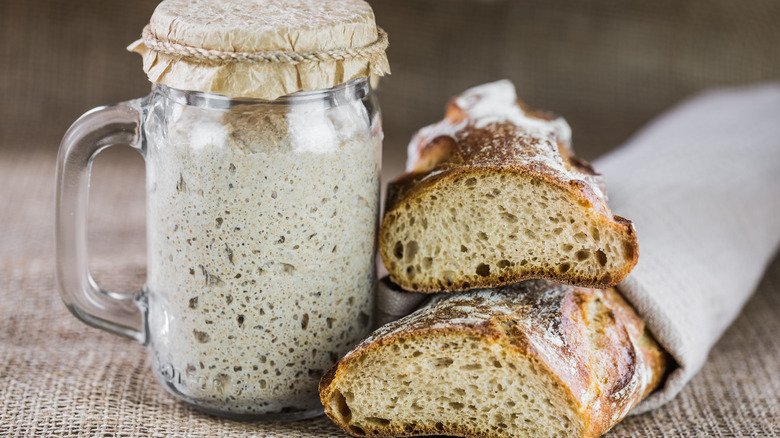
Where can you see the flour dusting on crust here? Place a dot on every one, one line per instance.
(492, 128)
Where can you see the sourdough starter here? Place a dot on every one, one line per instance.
(261, 239)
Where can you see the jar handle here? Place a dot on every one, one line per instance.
(98, 129)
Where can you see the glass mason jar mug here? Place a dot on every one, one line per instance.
(261, 228)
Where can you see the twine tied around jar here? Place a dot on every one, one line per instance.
(269, 56)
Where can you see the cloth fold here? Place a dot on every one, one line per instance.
(702, 185)
(393, 303)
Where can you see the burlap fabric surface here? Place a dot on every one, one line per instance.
(608, 67)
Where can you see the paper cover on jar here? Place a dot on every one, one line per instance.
(261, 48)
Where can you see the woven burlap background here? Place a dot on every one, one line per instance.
(609, 67)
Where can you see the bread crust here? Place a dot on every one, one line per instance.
(523, 143)
(590, 341)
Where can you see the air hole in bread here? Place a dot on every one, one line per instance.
(471, 182)
(482, 235)
(582, 254)
(355, 430)
(564, 267)
(601, 257)
(457, 405)
(594, 232)
(503, 264)
(483, 270)
(427, 262)
(340, 407)
(463, 248)
(441, 362)
(509, 217)
(398, 250)
(378, 420)
(568, 247)
(580, 237)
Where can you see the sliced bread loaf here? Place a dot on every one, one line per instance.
(534, 359)
(494, 195)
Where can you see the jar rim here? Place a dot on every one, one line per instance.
(358, 87)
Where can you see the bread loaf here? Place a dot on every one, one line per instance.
(534, 359)
(495, 195)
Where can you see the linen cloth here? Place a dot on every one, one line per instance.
(702, 185)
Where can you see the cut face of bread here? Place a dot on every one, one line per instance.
(495, 196)
(453, 384)
(536, 359)
(468, 228)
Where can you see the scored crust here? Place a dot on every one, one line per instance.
(494, 195)
(536, 358)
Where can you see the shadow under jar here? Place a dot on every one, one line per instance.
(262, 219)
